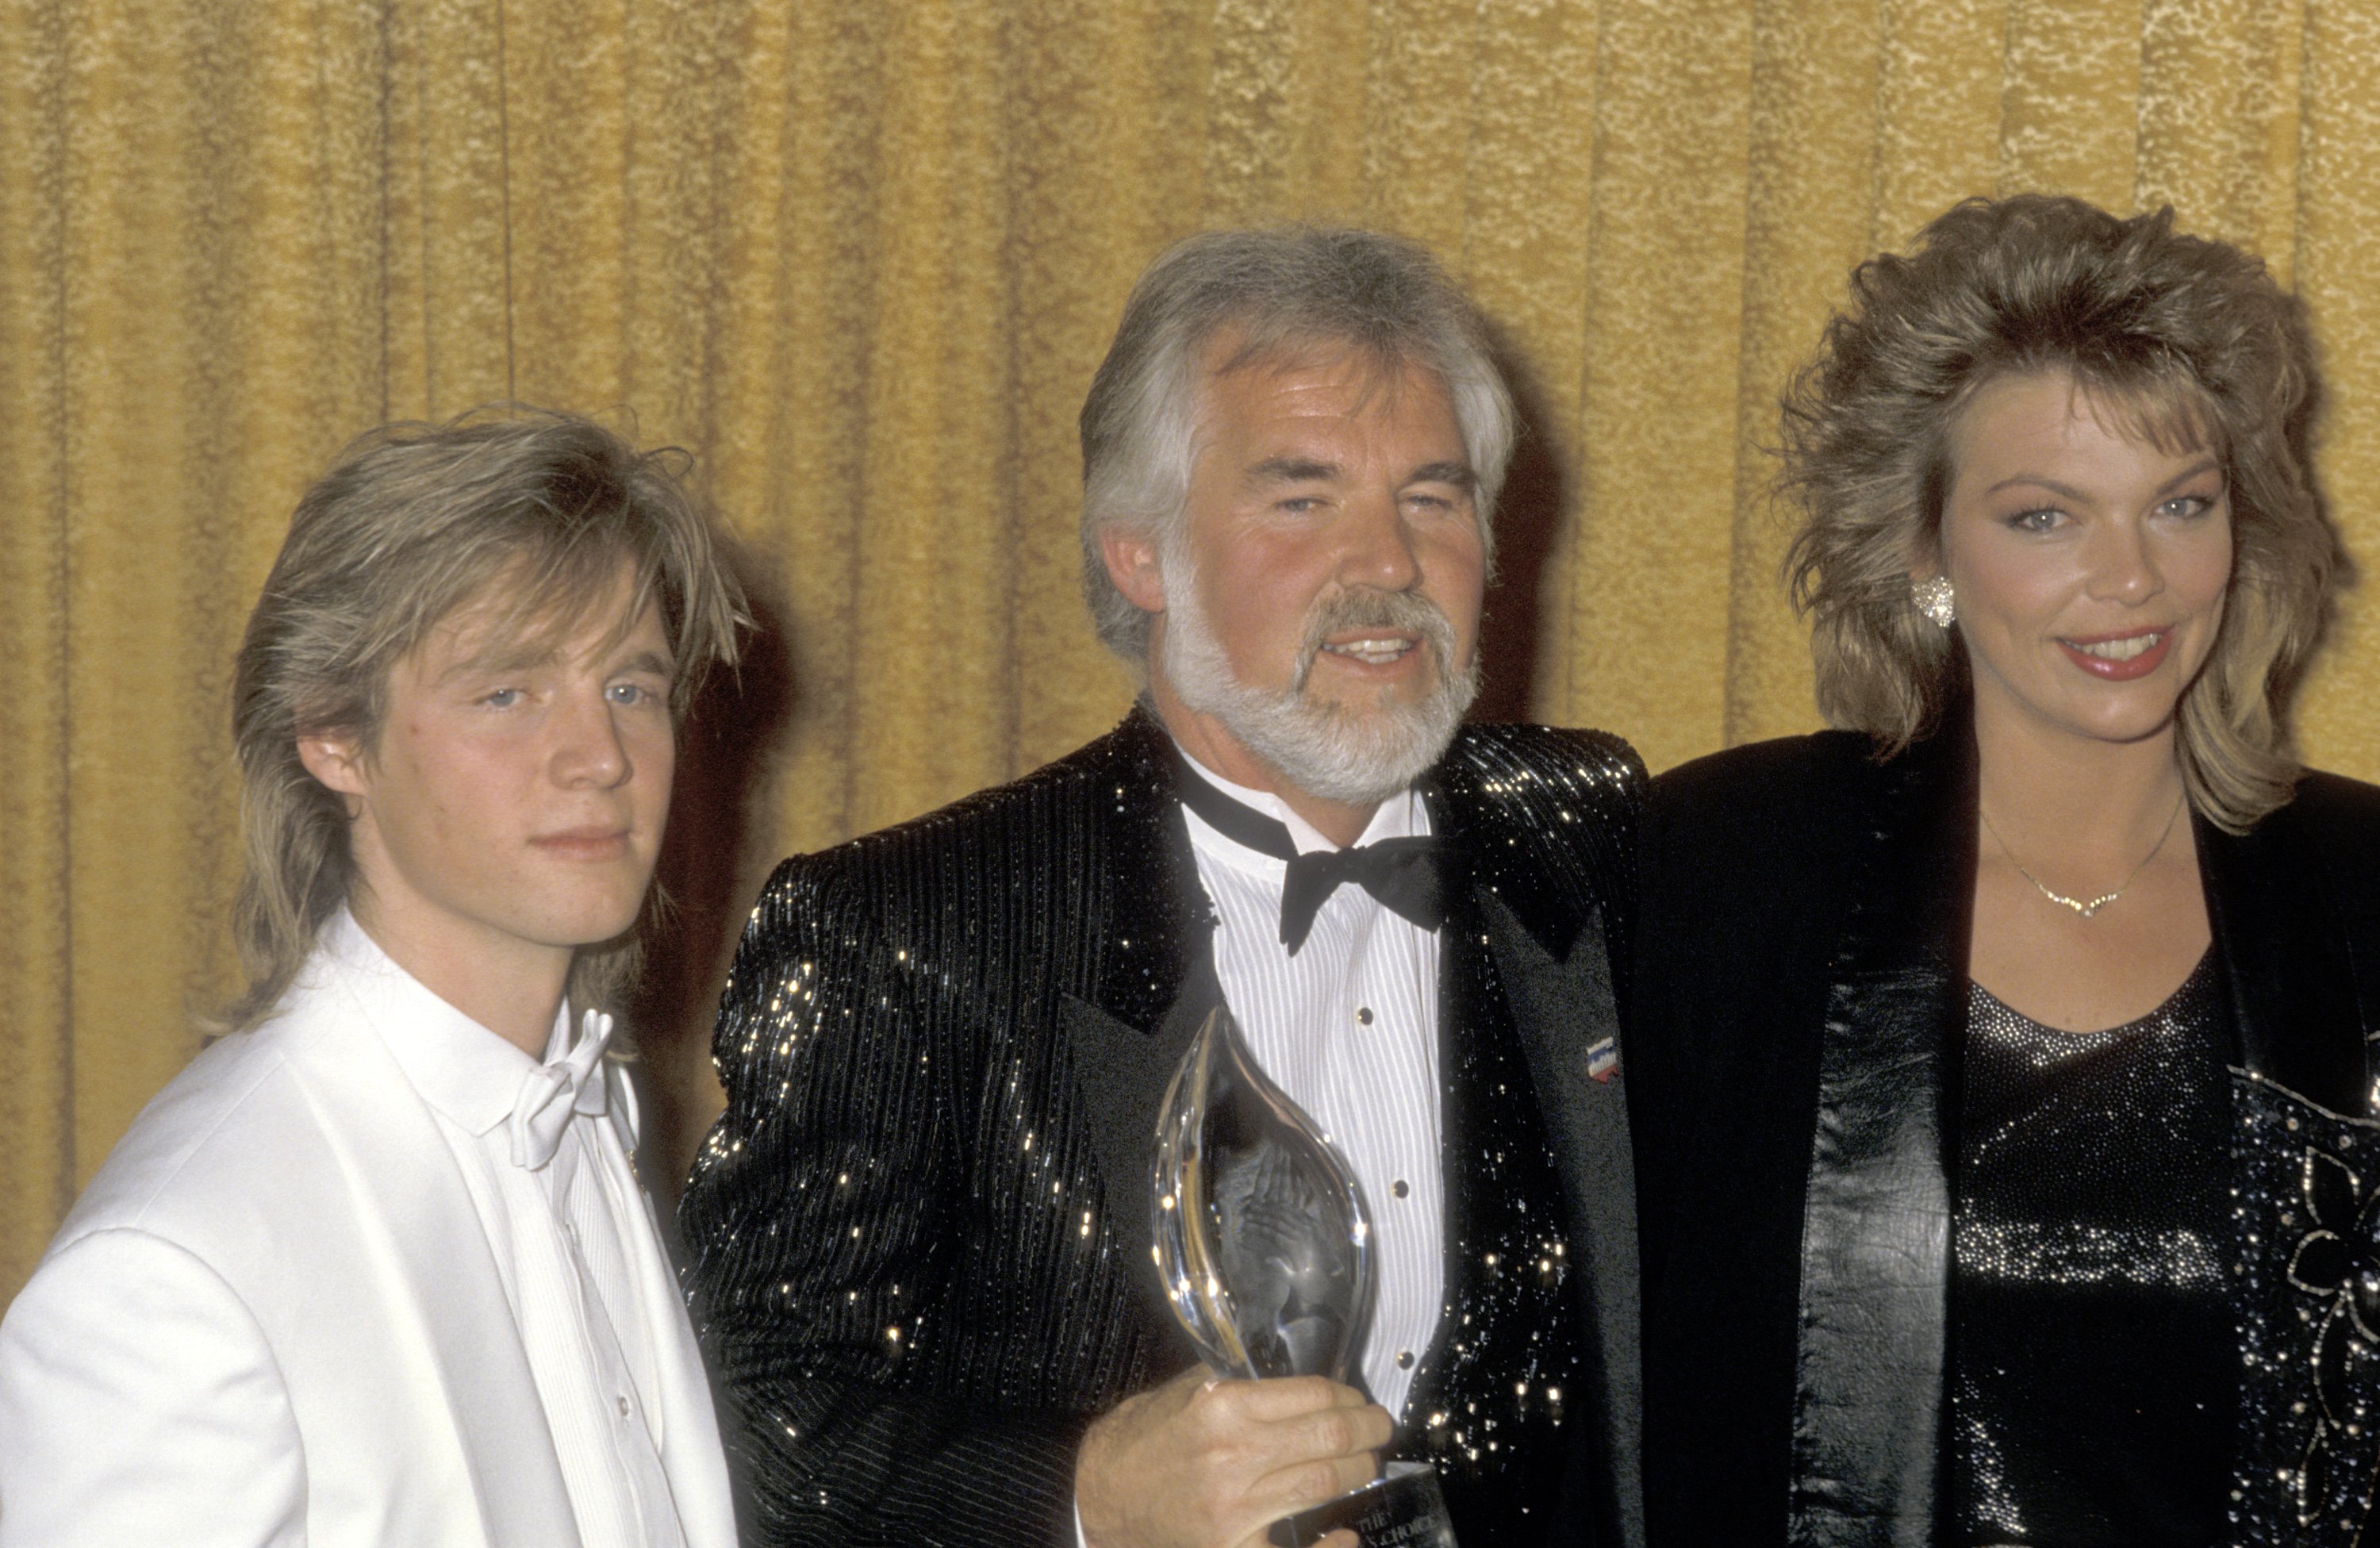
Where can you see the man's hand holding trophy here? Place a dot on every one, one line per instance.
(1265, 1248)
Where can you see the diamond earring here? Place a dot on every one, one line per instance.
(1935, 599)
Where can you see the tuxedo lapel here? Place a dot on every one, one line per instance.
(1472, 1022)
(1504, 1397)
(1121, 1073)
(439, 1274)
(1542, 1298)
(1876, 1260)
(1566, 1020)
(1157, 985)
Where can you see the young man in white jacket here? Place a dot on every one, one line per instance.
(374, 1269)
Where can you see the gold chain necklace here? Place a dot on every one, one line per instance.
(2087, 910)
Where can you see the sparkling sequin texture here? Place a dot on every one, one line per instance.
(2306, 1214)
(917, 1239)
(2092, 1388)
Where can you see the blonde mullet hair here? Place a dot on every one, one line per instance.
(412, 522)
(2182, 341)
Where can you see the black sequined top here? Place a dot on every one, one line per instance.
(2092, 1351)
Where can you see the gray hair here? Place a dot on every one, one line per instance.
(414, 521)
(1286, 290)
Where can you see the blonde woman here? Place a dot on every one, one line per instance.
(2001, 1061)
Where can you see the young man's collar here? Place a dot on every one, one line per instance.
(460, 1067)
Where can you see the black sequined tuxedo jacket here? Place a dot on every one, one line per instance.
(919, 1239)
(1799, 993)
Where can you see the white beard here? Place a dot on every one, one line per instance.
(1332, 751)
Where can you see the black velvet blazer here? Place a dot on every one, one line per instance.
(1800, 986)
(919, 1237)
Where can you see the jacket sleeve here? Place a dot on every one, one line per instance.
(824, 1217)
(139, 1403)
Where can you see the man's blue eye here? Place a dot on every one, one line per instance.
(503, 698)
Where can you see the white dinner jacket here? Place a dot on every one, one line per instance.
(273, 1318)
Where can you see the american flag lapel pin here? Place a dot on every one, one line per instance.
(1603, 1061)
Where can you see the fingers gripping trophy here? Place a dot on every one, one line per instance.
(1266, 1251)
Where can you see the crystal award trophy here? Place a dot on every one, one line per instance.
(1266, 1251)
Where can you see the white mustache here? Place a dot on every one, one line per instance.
(1406, 612)
(1357, 752)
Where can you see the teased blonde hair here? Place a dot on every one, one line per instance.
(414, 521)
(2188, 342)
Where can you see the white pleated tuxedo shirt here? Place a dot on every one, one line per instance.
(558, 1233)
(1348, 1028)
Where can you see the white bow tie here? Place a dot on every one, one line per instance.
(552, 1094)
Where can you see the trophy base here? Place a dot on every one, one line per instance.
(1401, 1508)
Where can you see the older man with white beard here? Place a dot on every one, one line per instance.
(920, 1235)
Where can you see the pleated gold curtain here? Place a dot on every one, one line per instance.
(861, 256)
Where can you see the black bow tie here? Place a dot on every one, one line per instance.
(1414, 877)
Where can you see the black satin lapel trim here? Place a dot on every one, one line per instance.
(1120, 1074)
(1154, 986)
(2286, 953)
(1876, 1221)
(1562, 1009)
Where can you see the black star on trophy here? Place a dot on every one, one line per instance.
(1266, 1251)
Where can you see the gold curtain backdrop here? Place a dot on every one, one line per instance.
(861, 258)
